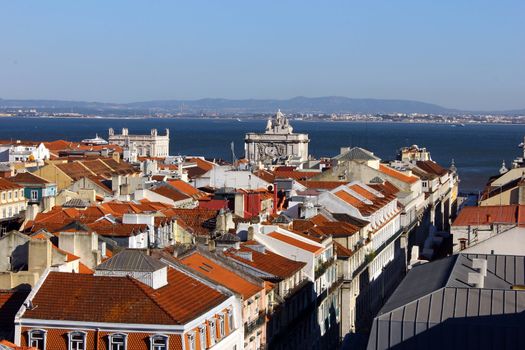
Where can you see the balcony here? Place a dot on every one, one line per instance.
(250, 327)
(321, 269)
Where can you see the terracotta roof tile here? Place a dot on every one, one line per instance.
(486, 215)
(28, 178)
(170, 193)
(8, 185)
(432, 167)
(220, 274)
(323, 185)
(397, 174)
(295, 242)
(88, 298)
(266, 261)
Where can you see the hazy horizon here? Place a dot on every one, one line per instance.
(455, 54)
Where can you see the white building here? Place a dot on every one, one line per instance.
(153, 145)
(20, 151)
(278, 144)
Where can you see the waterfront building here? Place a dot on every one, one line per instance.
(153, 145)
(277, 145)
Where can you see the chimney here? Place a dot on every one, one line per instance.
(344, 150)
(480, 265)
(476, 279)
(251, 233)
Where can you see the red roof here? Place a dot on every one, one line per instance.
(486, 215)
(221, 274)
(397, 174)
(323, 185)
(432, 167)
(8, 185)
(88, 298)
(295, 242)
(265, 260)
(28, 178)
(170, 193)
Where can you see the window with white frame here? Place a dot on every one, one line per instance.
(191, 341)
(9, 195)
(221, 326)
(34, 195)
(231, 326)
(77, 341)
(3, 196)
(37, 339)
(202, 337)
(159, 342)
(213, 332)
(118, 341)
(16, 194)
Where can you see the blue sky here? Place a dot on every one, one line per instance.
(462, 54)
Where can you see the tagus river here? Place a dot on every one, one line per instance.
(478, 150)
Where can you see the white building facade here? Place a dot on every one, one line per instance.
(153, 145)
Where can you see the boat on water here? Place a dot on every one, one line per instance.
(95, 141)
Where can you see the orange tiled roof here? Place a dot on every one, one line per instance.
(220, 274)
(8, 185)
(432, 167)
(397, 174)
(170, 193)
(361, 191)
(106, 228)
(268, 261)
(295, 242)
(342, 251)
(200, 220)
(74, 170)
(487, 215)
(28, 178)
(323, 185)
(202, 167)
(84, 269)
(348, 198)
(186, 188)
(88, 298)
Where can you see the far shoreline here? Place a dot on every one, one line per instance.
(242, 119)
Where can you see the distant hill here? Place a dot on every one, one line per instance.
(330, 104)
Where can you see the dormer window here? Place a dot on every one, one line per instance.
(118, 341)
(159, 342)
(37, 338)
(77, 341)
